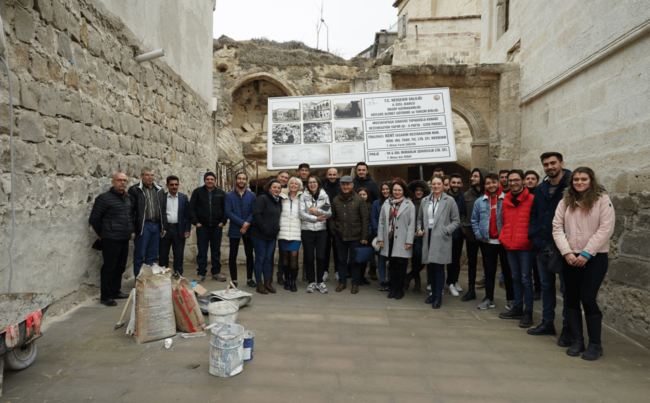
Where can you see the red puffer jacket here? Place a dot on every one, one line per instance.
(515, 221)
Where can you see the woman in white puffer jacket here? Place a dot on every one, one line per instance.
(289, 235)
(314, 211)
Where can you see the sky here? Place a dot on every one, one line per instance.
(352, 23)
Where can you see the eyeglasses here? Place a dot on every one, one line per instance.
(312, 183)
(122, 180)
(173, 185)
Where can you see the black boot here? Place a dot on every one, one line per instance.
(287, 282)
(407, 280)
(594, 327)
(546, 328)
(575, 323)
(471, 294)
(294, 276)
(393, 291)
(565, 339)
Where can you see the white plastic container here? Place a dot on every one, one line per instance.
(223, 312)
(227, 350)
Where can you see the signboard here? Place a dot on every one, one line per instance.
(380, 128)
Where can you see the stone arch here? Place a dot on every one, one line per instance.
(280, 82)
(478, 128)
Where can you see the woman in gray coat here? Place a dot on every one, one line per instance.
(437, 220)
(395, 232)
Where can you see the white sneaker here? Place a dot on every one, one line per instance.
(429, 287)
(453, 291)
(326, 276)
(458, 287)
(322, 288)
(510, 305)
(336, 276)
(311, 287)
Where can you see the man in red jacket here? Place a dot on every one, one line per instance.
(515, 216)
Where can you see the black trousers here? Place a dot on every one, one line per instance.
(174, 241)
(537, 284)
(491, 254)
(397, 271)
(232, 257)
(416, 260)
(115, 254)
(582, 283)
(472, 260)
(329, 243)
(314, 241)
(453, 269)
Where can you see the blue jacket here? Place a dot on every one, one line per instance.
(540, 230)
(374, 218)
(184, 224)
(239, 210)
(460, 202)
(481, 217)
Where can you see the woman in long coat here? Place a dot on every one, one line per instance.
(396, 229)
(437, 220)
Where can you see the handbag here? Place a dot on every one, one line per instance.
(551, 258)
(364, 254)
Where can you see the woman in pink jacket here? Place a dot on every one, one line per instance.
(582, 227)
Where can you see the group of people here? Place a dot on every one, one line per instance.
(510, 217)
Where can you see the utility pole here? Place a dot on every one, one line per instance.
(328, 34)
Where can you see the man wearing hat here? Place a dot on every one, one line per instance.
(208, 213)
(349, 226)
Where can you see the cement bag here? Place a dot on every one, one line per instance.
(188, 314)
(154, 310)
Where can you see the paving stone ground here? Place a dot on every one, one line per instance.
(332, 348)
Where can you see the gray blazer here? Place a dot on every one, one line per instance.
(447, 220)
(404, 229)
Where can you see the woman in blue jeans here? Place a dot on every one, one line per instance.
(266, 226)
(374, 225)
(437, 220)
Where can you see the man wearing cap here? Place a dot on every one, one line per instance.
(349, 225)
(208, 214)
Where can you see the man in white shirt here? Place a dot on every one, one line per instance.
(179, 226)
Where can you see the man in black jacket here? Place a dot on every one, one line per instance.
(112, 220)
(331, 186)
(150, 219)
(208, 214)
(363, 179)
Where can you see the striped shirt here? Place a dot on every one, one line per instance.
(151, 211)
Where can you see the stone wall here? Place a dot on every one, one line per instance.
(584, 93)
(83, 110)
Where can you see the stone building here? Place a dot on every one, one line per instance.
(525, 77)
(84, 109)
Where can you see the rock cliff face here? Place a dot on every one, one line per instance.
(83, 109)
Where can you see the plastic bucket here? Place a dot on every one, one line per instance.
(227, 350)
(223, 312)
(249, 338)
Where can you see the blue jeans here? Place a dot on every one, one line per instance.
(522, 278)
(208, 237)
(263, 257)
(345, 250)
(549, 300)
(381, 266)
(146, 246)
(436, 273)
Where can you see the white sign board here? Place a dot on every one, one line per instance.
(379, 128)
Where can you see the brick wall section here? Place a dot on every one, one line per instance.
(83, 109)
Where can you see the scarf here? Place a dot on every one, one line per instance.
(394, 209)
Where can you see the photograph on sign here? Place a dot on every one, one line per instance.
(286, 134)
(317, 110)
(286, 111)
(350, 153)
(347, 108)
(292, 156)
(348, 130)
(317, 132)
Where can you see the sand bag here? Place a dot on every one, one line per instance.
(154, 310)
(189, 317)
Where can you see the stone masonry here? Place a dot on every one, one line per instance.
(83, 109)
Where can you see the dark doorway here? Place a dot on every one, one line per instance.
(448, 167)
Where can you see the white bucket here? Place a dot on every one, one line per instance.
(227, 350)
(223, 312)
